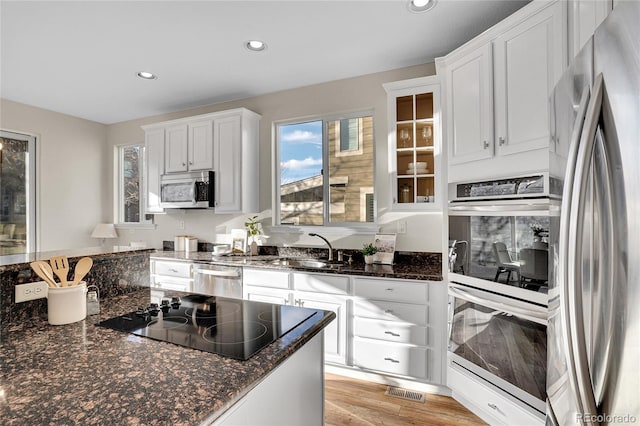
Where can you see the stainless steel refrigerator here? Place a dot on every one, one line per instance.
(593, 372)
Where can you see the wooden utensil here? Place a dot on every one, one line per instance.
(82, 268)
(43, 270)
(60, 265)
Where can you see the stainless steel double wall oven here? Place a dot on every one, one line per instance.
(501, 252)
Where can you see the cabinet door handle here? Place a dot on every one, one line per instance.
(285, 301)
(501, 141)
(392, 333)
(485, 144)
(388, 311)
(190, 162)
(184, 164)
(395, 361)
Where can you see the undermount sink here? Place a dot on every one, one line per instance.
(302, 263)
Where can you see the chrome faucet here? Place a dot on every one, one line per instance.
(330, 259)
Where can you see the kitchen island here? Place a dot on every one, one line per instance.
(84, 374)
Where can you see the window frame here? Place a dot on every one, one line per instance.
(118, 184)
(351, 228)
(32, 194)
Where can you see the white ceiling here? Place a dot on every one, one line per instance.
(81, 57)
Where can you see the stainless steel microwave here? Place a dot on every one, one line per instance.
(188, 190)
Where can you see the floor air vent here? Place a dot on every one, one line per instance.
(404, 394)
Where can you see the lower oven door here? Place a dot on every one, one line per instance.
(501, 340)
(217, 280)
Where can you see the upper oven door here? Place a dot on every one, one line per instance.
(504, 247)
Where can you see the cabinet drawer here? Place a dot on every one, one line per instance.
(173, 269)
(395, 291)
(321, 283)
(391, 311)
(264, 278)
(166, 282)
(395, 358)
(495, 408)
(392, 331)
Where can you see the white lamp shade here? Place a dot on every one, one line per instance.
(104, 230)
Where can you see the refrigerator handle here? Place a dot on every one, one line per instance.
(564, 239)
(574, 273)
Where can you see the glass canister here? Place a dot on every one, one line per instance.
(405, 194)
(93, 300)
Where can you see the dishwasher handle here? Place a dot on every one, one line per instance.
(218, 273)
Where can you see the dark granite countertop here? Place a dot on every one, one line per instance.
(19, 260)
(83, 374)
(419, 269)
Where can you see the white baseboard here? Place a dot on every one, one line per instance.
(356, 373)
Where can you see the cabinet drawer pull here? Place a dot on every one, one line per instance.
(392, 333)
(395, 361)
(485, 144)
(389, 289)
(173, 270)
(501, 141)
(492, 406)
(388, 311)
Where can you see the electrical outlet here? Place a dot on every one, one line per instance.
(181, 224)
(402, 227)
(31, 291)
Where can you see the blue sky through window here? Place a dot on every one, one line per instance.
(300, 151)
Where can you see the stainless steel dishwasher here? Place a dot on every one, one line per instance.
(217, 280)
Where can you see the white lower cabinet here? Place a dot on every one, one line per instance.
(387, 327)
(170, 275)
(316, 291)
(335, 334)
(392, 331)
(397, 327)
(394, 358)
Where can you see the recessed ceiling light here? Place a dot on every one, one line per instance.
(255, 45)
(421, 5)
(147, 75)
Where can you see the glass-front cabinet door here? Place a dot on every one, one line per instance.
(414, 143)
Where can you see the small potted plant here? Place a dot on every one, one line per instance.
(254, 229)
(368, 250)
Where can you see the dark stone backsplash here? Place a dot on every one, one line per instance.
(400, 258)
(113, 273)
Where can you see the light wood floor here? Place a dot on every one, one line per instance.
(354, 402)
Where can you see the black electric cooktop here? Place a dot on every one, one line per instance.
(229, 327)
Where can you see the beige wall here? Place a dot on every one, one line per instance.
(72, 162)
(75, 170)
(359, 93)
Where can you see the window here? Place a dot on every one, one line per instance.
(325, 171)
(17, 193)
(130, 195)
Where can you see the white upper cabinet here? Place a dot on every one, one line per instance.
(528, 61)
(497, 94)
(584, 18)
(200, 146)
(189, 147)
(228, 150)
(235, 138)
(470, 106)
(225, 142)
(414, 143)
(176, 148)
